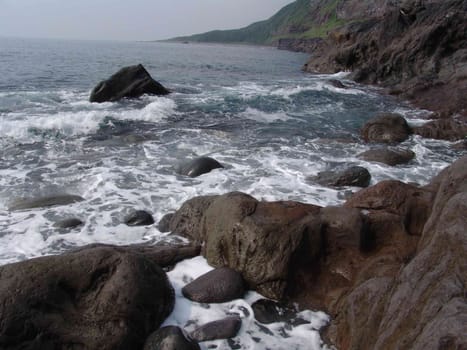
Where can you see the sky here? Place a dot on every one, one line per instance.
(128, 20)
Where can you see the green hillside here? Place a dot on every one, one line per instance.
(292, 20)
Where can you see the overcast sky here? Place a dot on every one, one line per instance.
(128, 20)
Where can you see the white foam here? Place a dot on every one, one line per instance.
(263, 117)
(189, 315)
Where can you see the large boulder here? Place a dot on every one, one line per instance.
(170, 338)
(386, 128)
(388, 156)
(91, 298)
(352, 176)
(220, 329)
(130, 82)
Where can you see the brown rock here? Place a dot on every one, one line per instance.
(388, 156)
(386, 128)
(444, 129)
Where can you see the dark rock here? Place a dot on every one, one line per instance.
(268, 311)
(386, 128)
(44, 202)
(220, 329)
(388, 156)
(217, 286)
(88, 299)
(336, 83)
(164, 223)
(198, 166)
(130, 82)
(68, 223)
(443, 129)
(139, 218)
(353, 176)
(170, 338)
(461, 146)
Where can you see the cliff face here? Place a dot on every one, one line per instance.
(418, 50)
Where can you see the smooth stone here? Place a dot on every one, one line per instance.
(170, 338)
(68, 223)
(353, 176)
(220, 329)
(386, 128)
(164, 223)
(45, 202)
(198, 166)
(217, 286)
(387, 156)
(139, 218)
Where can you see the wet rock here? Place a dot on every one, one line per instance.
(139, 218)
(170, 338)
(198, 166)
(129, 82)
(337, 83)
(259, 239)
(220, 329)
(68, 223)
(388, 156)
(353, 176)
(187, 221)
(386, 128)
(90, 298)
(44, 202)
(217, 286)
(268, 311)
(164, 223)
(443, 129)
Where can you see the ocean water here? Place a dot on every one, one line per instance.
(251, 108)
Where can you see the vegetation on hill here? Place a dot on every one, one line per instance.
(300, 19)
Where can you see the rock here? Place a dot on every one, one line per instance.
(129, 82)
(90, 299)
(259, 239)
(217, 286)
(220, 329)
(388, 156)
(187, 221)
(139, 218)
(461, 145)
(198, 166)
(44, 202)
(386, 128)
(419, 303)
(336, 83)
(412, 204)
(170, 338)
(164, 223)
(268, 311)
(353, 176)
(68, 223)
(443, 129)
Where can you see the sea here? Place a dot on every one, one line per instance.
(251, 108)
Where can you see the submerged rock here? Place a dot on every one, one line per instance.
(353, 176)
(198, 166)
(217, 286)
(90, 298)
(269, 311)
(130, 82)
(386, 128)
(44, 202)
(68, 223)
(388, 156)
(220, 329)
(170, 338)
(139, 218)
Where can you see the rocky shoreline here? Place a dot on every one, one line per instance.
(388, 265)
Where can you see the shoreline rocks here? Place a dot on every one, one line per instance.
(356, 176)
(198, 166)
